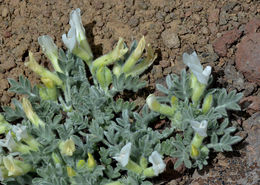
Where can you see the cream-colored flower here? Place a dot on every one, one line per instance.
(67, 147)
(76, 40)
(50, 50)
(13, 169)
(200, 127)
(123, 156)
(158, 165)
(70, 39)
(197, 69)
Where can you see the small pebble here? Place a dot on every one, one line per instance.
(205, 30)
(142, 5)
(165, 63)
(170, 39)
(133, 22)
(168, 18)
(196, 18)
(5, 12)
(129, 3)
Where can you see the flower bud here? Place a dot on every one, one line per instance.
(134, 57)
(118, 52)
(41, 71)
(70, 172)
(91, 164)
(207, 103)
(174, 100)
(117, 70)
(104, 77)
(144, 63)
(193, 81)
(154, 105)
(204, 150)
(30, 114)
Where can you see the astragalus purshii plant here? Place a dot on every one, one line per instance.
(74, 129)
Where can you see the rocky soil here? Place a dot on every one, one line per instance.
(225, 34)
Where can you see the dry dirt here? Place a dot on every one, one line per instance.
(215, 29)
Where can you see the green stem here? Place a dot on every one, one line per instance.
(134, 167)
(148, 172)
(103, 60)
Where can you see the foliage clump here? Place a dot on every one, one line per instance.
(71, 129)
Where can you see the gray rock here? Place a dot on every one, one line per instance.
(171, 39)
(133, 22)
(129, 3)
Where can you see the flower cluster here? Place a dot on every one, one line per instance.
(185, 115)
(73, 128)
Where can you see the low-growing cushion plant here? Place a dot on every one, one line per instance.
(74, 129)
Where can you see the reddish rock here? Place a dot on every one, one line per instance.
(213, 15)
(252, 25)
(224, 42)
(252, 127)
(248, 57)
(7, 34)
(188, 13)
(254, 104)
